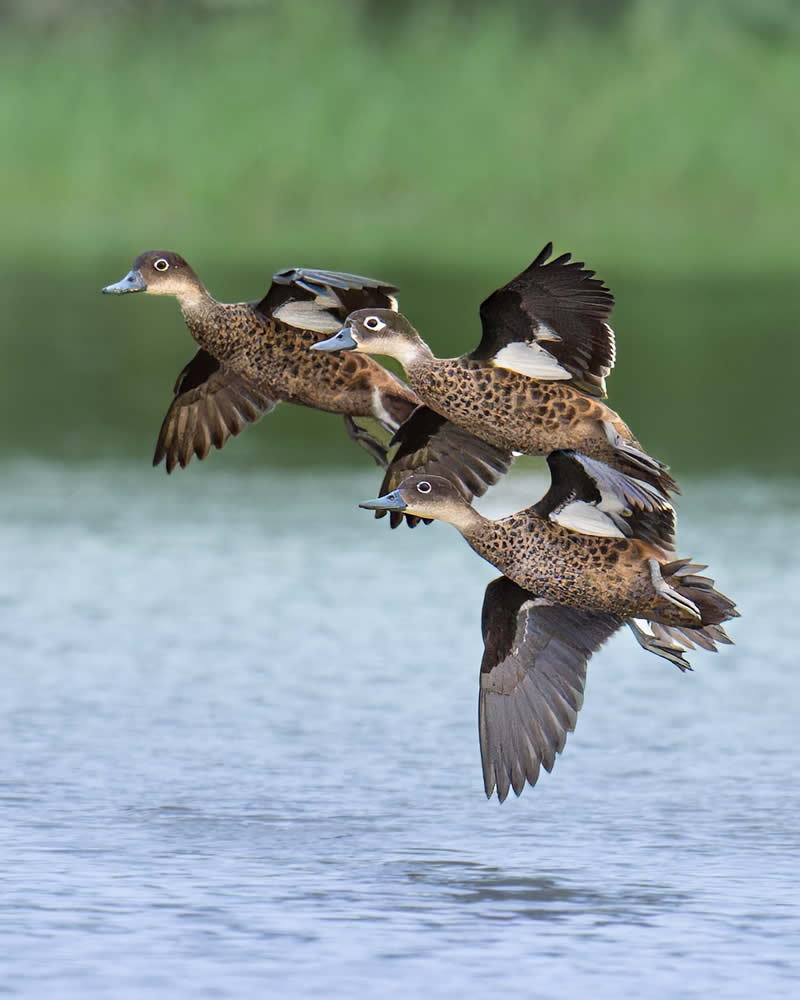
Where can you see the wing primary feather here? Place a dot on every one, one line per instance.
(533, 675)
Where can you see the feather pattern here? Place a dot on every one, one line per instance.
(561, 304)
(623, 506)
(429, 443)
(211, 404)
(532, 680)
(321, 300)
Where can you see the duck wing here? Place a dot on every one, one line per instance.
(429, 443)
(532, 679)
(550, 322)
(592, 498)
(211, 404)
(322, 300)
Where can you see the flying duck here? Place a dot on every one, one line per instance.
(595, 553)
(535, 382)
(254, 355)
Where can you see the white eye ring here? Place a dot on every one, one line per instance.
(373, 323)
(162, 264)
(424, 487)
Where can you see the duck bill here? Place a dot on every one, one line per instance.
(341, 341)
(132, 282)
(390, 501)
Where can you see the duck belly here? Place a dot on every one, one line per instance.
(580, 571)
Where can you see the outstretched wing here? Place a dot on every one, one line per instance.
(211, 404)
(532, 680)
(322, 300)
(550, 322)
(429, 443)
(590, 497)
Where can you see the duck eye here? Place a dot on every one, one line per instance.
(373, 323)
(424, 487)
(161, 264)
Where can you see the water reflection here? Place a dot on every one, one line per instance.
(496, 894)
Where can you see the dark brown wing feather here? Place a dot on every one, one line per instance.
(532, 680)
(211, 404)
(575, 305)
(638, 509)
(328, 297)
(429, 443)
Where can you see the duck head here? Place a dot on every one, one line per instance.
(427, 496)
(159, 272)
(376, 331)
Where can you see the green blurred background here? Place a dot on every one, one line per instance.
(437, 145)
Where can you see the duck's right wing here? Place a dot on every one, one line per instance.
(590, 497)
(532, 680)
(321, 301)
(429, 443)
(550, 322)
(211, 404)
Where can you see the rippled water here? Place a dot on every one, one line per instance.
(241, 757)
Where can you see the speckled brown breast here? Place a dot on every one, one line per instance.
(515, 412)
(278, 359)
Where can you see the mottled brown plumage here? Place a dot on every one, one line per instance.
(604, 571)
(518, 413)
(595, 553)
(254, 355)
(533, 383)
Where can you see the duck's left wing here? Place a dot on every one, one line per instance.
(428, 442)
(590, 497)
(550, 323)
(322, 300)
(211, 404)
(532, 680)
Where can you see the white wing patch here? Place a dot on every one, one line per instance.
(308, 316)
(380, 411)
(586, 519)
(530, 359)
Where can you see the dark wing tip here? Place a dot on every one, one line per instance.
(211, 404)
(330, 295)
(532, 680)
(429, 442)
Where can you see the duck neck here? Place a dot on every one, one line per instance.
(469, 522)
(411, 353)
(201, 313)
(195, 302)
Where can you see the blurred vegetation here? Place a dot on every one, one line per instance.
(436, 145)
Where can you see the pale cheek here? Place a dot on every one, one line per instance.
(165, 286)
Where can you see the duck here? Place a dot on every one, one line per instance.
(537, 380)
(253, 355)
(594, 554)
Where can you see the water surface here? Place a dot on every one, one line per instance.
(241, 757)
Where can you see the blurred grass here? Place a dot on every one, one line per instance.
(666, 143)
(432, 148)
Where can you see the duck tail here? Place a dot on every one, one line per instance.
(638, 463)
(712, 606)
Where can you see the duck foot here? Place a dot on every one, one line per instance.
(370, 444)
(660, 646)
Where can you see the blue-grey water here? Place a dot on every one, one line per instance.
(240, 757)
